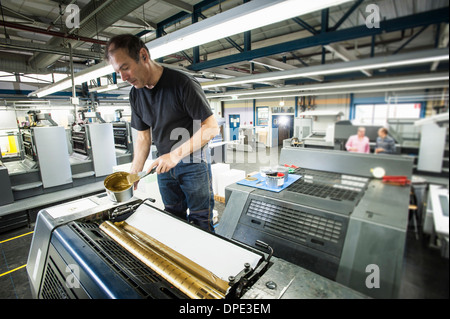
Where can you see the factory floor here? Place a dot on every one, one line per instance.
(425, 273)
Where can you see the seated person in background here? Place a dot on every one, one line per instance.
(385, 143)
(358, 143)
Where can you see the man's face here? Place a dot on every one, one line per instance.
(131, 71)
(361, 132)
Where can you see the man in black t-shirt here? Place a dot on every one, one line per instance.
(170, 108)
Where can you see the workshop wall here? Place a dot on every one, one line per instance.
(243, 108)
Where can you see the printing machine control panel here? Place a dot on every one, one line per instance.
(307, 222)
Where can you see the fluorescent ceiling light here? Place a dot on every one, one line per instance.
(387, 88)
(104, 88)
(433, 77)
(248, 16)
(426, 56)
(96, 71)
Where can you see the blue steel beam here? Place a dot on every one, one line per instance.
(305, 25)
(187, 57)
(324, 29)
(410, 39)
(398, 24)
(247, 40)
(143, 32)
(198, 8)
(346, 15)
(438, 34)
(298, 59)
(196, 49)
(180, 16)
(372, 46)
(198, 14)
(228, 39)
(234, 44)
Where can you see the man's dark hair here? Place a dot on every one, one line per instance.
(131, 43)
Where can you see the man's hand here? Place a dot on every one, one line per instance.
(207, 131)
(165, 162)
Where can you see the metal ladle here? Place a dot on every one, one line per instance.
(133, 178)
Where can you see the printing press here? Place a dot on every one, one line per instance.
(44, 152)
(95, 248)
(314, 239)
(122, 136)
(93, 148)
(122, 133)
(336, 220)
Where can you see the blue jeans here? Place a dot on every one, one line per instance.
(189, 185)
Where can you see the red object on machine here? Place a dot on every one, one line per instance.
(396, 180)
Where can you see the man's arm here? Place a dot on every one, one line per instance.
(349, 144)
(141, 150)
(378, 148)
(207, 131)
(391, 148)
(367, 146)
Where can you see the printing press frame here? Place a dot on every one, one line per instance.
(71, 257)
(63, 264)
(371, 228)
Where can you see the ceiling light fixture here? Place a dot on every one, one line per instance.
(94, 72)
(427, 78)
(387, 88)
(426, 56)
(104, 88)
(248, 16)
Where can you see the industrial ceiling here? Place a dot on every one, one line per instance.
(34, 39)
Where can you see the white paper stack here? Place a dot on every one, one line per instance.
(217, 169)
(228, 178)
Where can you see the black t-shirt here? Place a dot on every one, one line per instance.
(173, 109)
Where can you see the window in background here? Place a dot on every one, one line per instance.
(378, 114)
(262, 115)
